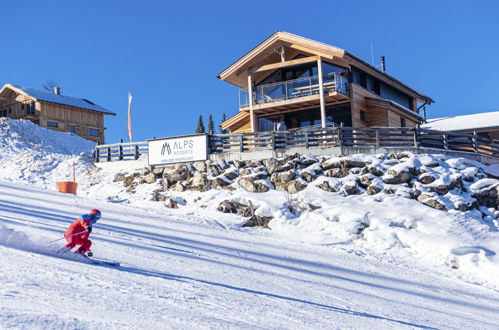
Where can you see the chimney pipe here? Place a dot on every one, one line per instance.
(57, 90)
(383, 65)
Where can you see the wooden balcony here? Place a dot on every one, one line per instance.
(295, 94)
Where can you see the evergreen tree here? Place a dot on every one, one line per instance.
(200, 128)
(211, 125)
(224, 118)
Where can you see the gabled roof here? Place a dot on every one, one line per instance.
(231, 74)
(477, 121)
(45, 96)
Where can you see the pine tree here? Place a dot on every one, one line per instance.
(224, 118)
(200, 129)
(211, 125)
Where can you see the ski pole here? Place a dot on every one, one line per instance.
(69, 236)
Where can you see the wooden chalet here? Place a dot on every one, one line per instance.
(288, 82)
(55, 111)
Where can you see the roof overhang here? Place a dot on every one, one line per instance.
(266, 53)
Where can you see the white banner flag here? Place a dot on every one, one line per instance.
(130, 116)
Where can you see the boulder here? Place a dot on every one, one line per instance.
(307, 161)
(389, 191)
(350, 188)
(373, 190)
(245, 172)
(171, 203)
(150, 178)
(214, 170)
(432, 201)
(254, 163)
(157, 197)
(282, 177)
(239, 163)
(285, 167)
(219, 182)
(308, 207)
(397, 176)
(335, 173)
(249, 184)
(426, 178)
(128, 181)
(179, 186)
(200, 181)
(295, 186)
(180, 173)
(258, 221)
(307, 176)
(488, 195)
(228, 206)
(326, 187)
(376, 171)
(200, 166)
(231, 174)
(366, 180)
(158, 170)
(271, 165)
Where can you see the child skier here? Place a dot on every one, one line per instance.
(78, 232)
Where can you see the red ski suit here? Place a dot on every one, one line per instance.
(76, 227)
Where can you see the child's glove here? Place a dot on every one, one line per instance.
(89, 229)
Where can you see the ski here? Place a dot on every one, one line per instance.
(101, 262)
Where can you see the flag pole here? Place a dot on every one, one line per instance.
(130, 116)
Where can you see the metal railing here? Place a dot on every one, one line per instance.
(291, 89)
(316, 137)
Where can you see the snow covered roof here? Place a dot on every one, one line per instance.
(477, 121)
(60, 99)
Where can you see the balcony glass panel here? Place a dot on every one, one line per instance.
(332, 82)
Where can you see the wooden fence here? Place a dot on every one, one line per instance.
(371, 137)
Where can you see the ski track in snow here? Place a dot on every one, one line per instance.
(190, 274)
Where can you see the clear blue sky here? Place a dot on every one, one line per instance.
(168, 53)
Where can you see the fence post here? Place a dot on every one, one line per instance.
(475, 142)
(96, 155)
(120, 152)
(377, 139)
(108, 154)
(137, 153)
(446, 143)
(241, 143)
(416, 138)
(340, 137)
(306, 140)
(272, 141)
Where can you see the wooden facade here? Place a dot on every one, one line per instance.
(290, 82)
(56, 113)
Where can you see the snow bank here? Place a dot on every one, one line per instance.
(34, 155)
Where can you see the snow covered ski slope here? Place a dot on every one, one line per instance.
(179, 270)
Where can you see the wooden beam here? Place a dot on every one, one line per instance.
(312, 51)
(250, 101)
(321, 93)
(279, 65)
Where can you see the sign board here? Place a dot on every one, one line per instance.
(181, 149)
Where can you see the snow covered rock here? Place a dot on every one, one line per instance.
(432, 201)
(249, 184)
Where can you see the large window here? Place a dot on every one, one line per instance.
(339, 115)
(300, 71)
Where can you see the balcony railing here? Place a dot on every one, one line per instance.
(296, 88)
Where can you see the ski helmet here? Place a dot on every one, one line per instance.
(96, 213)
